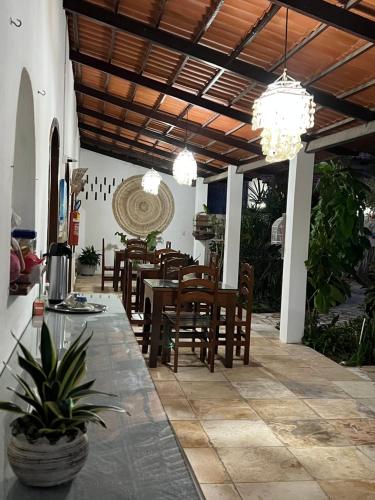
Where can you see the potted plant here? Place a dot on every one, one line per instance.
(89, 261)
(123, 237)
(153, 239)
(49, 444)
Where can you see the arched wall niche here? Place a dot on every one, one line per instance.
(53, 184)
(24, 167)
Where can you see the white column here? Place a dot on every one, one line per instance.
(232, 227)
(201, 190)
(297, 234)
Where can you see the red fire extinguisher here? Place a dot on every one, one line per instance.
(74, 228)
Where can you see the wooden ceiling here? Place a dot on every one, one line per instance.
(151, 75)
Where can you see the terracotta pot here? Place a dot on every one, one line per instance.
(43, 464)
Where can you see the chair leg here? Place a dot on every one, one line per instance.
(246, 357)
(176, 342)
(211, 349)
(166, 350)
(238, 346)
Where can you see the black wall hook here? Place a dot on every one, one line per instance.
(17, 23)
(42, 92)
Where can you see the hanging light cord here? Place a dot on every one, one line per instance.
(286, 38)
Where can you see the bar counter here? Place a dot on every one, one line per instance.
(137, 457)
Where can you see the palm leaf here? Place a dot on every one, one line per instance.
(30, 358)
(70, 375)
(89, 392)
(31, 401)
(70, 357)
(48, 352)
(13, 408)
(36, 373)
(96, 408)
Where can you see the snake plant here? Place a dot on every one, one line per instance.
(53, 408)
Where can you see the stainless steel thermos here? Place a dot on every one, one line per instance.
(59, 256)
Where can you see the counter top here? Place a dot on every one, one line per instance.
(138, 456)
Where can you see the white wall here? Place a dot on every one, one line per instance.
(97, 220)
(39, 46)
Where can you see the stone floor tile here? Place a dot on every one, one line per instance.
(223, 409)
(369, 451)
(339, 463)
(263, 389)
(307, 390)
(246, 465)
(245, 373)
(209, 390)
(198, 373)
(358, 389)
(349, 490)
(338, 373)
(169, 389)
(290, 490)
(340, 408)
(161, 373)
(369, 403)
(178, 409)
(220, 492)
(288, 409)
(239, 433)
(304, 433)
(359, 431)
(190, 434)
(206, 465)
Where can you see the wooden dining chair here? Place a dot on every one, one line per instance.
(136, 242)
(107, 271)
(242, 321)
(188, 326)
(171, 266)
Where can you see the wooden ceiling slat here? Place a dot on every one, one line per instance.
(166, 118)
(211, 57)
(129, 142)
(154, 135)
(332, 15)
(159, 87)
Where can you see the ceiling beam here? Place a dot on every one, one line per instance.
(216, 178)
(167, 118)
(248, 167)
(132, 157)
(343, 137)
(155, 135)
(330, 14)
(207, 55)
(139, 145)
(163, 88)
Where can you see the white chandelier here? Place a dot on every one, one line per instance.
(151, 181)
(284, 111)
(185, 167)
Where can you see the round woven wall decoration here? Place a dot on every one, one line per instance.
(139, 213)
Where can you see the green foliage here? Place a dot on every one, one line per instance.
(123, 237)
(256, 248)
(153, 239)
(351, 342)
(338, 238)
(53, 397)
(89, 256)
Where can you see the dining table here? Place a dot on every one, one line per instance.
(163, 292)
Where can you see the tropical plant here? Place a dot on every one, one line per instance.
(256, 248)
(53, 396)
(153, 239)
(338, 237)
(123, 237)
(89, 256)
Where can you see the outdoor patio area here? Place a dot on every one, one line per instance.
(294, 425)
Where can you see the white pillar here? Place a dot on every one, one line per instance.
(232, 227)
(297, 232)
(201, 190)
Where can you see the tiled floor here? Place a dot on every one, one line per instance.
(291, 426)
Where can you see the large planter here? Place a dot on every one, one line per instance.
(86, 270)
(43, 464)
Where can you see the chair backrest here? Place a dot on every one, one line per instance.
(197, 285)
(136, 254)
(103, 255)
(246, 287)
(172, 266)
(170, 254)
(127, 283)
(136, 242)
